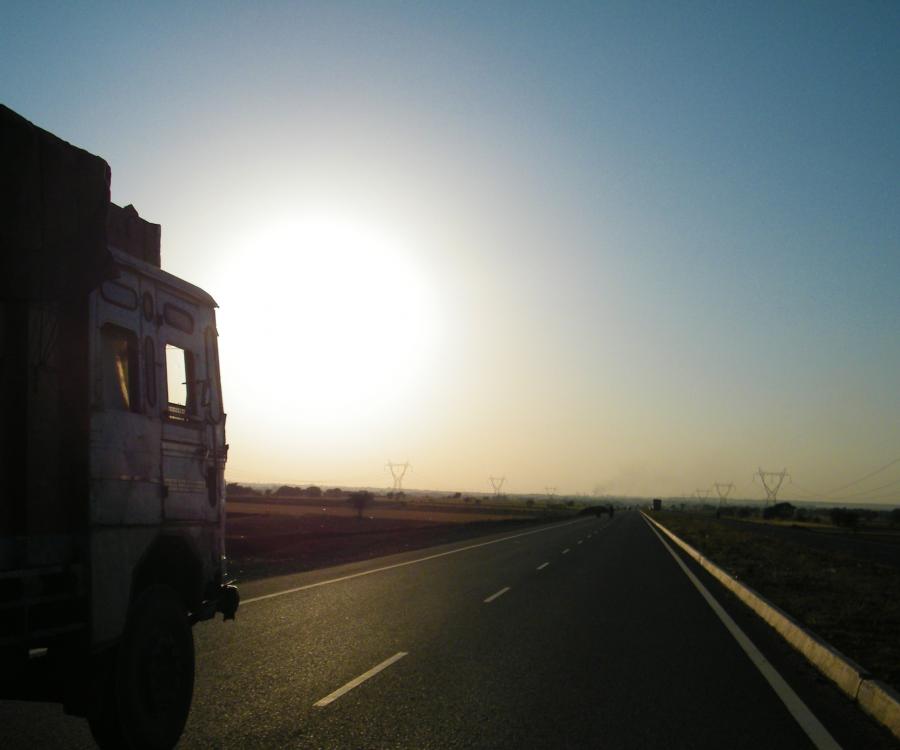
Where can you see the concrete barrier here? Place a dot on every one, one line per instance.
(873, 696)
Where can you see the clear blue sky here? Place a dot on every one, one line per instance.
(637, 247)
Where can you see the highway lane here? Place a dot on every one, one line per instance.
(584, 634)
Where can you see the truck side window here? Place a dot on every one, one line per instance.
(180, 380)
(119, 352)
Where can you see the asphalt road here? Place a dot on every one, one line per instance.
(585, 634)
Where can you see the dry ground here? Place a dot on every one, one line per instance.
(852, 603)
(376, 511)
(270, 538)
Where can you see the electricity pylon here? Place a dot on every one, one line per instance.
(497, 484)
(723, 491)
(771, 482)
(398, 471)
(702, 494)
(551, 492)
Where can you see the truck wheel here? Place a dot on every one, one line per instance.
(146, 699)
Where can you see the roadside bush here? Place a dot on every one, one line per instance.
(782, 511)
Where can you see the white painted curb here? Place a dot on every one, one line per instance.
(874, 696)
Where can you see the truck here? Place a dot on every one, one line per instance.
(112, 451)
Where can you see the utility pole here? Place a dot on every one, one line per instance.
(771, 482)
(551, 493)
(398, 471)
(497, 484)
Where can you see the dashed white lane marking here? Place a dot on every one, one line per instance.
(245, 602)
(566, 551)
(798, 709)
(580, 541)
(357, 681)
(500, 593)
(542, 566)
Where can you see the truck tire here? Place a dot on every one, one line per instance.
(146, 696)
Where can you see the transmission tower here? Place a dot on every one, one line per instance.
(497, 484)
(771, 482)
(551, 492)
(702, 494)
(723, 491)
(398, 471)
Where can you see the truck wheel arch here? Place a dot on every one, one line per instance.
(172, 561)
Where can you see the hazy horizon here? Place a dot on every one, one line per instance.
(630, 248)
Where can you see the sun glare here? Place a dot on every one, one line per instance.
(326, 321)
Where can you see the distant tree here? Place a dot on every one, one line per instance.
(895, 517)
(844, 517)
(233, 489)
(334, 492)
(457, 495)
(467, 499)
(361, 500)
(288, 491)
(478, 501)
(530, 502)
(312, 491)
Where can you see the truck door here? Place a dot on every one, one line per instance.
(191, 413)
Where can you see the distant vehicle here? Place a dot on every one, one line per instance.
(113, 452)
(657, 503)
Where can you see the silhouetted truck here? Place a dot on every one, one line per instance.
(112, 443)
(657, 503)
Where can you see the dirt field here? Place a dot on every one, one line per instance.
(376, 511)
(853, 603)
(273, 538)
(873, 546)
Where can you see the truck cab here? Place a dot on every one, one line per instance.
(112, 451)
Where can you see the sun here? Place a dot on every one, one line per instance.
(325, 321)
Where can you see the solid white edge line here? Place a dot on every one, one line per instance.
(496, 595)
(808, 722)
(331, 697)
(542, 566)
(251, 600)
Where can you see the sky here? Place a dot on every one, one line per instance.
(613, 248)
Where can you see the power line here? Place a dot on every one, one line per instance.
(822, 495)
